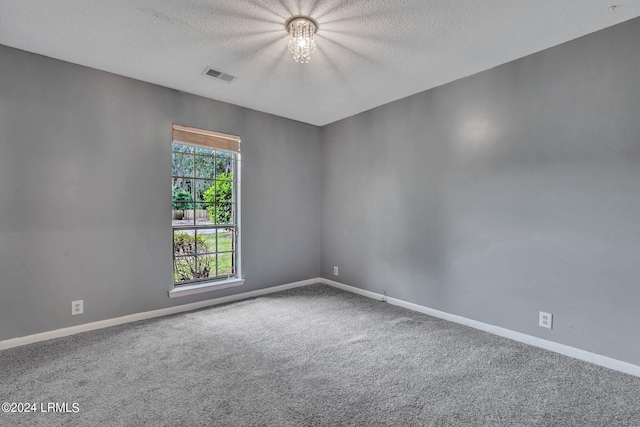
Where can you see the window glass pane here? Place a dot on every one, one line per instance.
(182, 214)
(176, 146)
(176, 164)
(206, 241)
(187, 165)
(206, 266)
(181, 210)
(225, 240)
(185, 185)
(183, 243)
(204, 213)
(205, 190)
(224, 162)
(184, 268)
(181, 191)
(223, 213)
(206, 151)
(182, 206)
(182, 184)
(205, 167)
(225, 266)
(223, 191)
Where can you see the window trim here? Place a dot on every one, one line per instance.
(199, 288)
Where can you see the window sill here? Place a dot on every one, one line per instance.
(183, 291)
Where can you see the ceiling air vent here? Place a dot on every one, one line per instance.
(219, 75)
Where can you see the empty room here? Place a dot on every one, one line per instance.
(319, 213)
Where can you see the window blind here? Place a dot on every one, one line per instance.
(206, 138)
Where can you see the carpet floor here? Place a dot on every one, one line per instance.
(312, 356)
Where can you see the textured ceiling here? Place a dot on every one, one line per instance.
(370, 52)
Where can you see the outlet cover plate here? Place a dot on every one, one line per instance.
(77, 307)
(335, 271)
(545, 320)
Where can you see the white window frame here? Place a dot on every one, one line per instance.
(219, 142)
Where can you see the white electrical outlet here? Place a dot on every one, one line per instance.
(77, 307)
(546, 320)
(335, 271)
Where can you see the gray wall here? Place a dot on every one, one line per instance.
(513, 191)
(85, 201)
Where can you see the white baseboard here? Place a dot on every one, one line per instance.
(57, 333)
(566, 350)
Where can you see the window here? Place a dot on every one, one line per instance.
(205, 168)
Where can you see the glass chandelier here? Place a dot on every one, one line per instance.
(301, 43)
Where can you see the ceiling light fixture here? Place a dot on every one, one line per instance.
(301, 43)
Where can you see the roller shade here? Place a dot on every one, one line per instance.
(206, 138)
